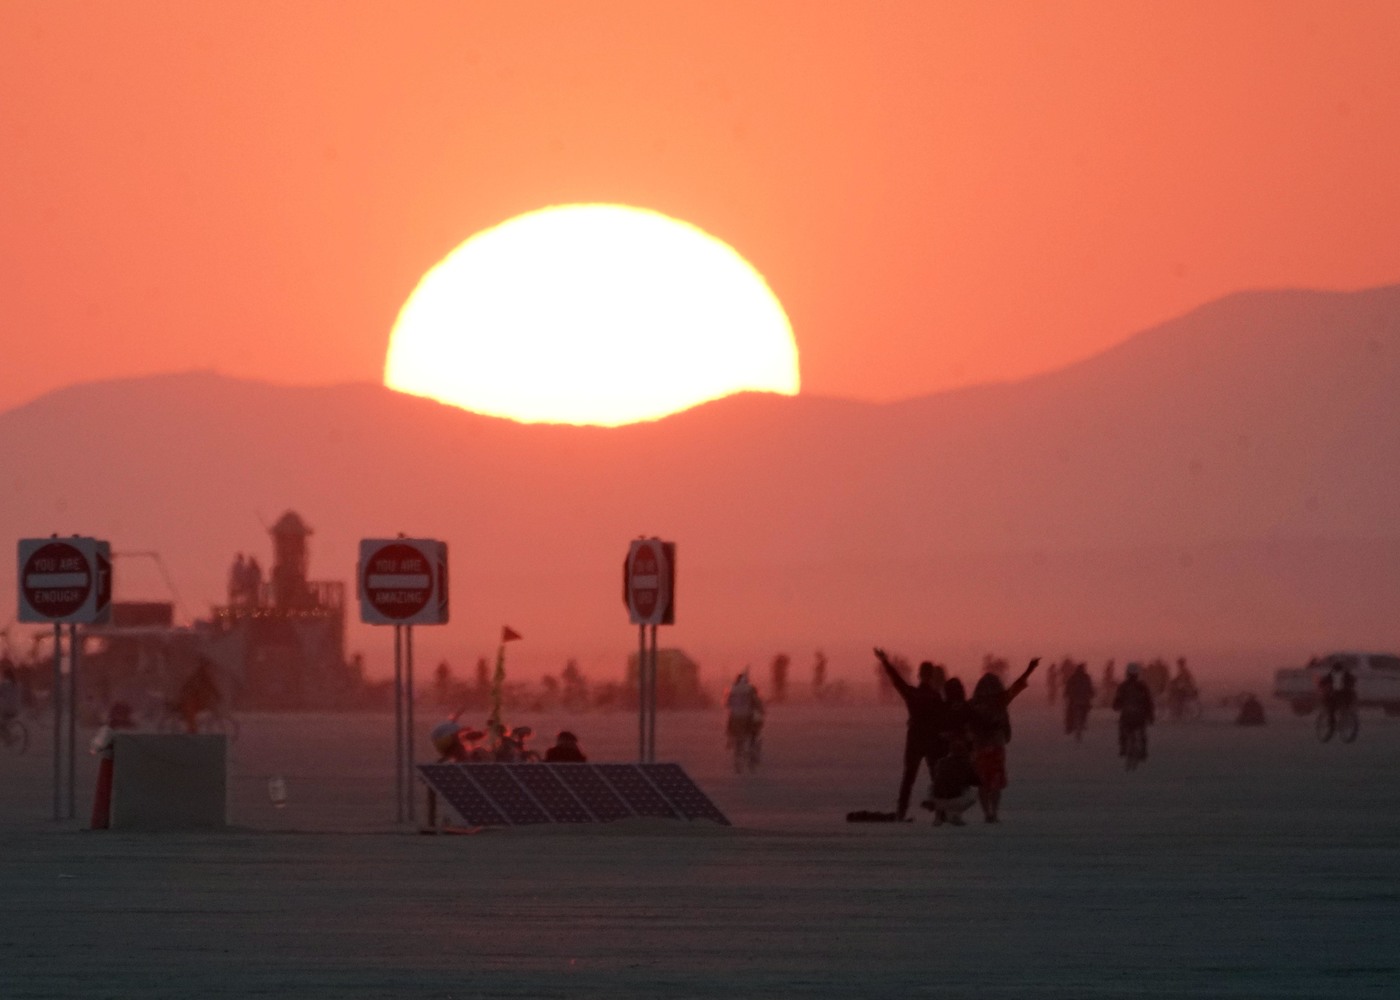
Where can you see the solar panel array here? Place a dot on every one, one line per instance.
(524, 794)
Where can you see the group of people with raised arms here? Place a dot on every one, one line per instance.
(961, 740)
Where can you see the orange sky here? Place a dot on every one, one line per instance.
(938, 192)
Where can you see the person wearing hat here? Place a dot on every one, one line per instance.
(1133, 703)
(565, 750)
(453, 741)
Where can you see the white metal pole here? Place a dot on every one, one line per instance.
(641, 694)
(408, 724)
(398, 723)
(72, 714)
(56, 696)
(651, 703)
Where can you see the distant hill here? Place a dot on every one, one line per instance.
(1225, 480)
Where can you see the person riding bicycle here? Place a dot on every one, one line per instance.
(1079, 698)
(1181, 689)
(745, 707)
(1133, 703)
(1338, 689)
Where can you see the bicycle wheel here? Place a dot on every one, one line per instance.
(1324, 726)
(1137, 749)
(1348, 725)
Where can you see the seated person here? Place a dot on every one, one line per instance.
(955, 784)
(1251, 712)
(565, 750)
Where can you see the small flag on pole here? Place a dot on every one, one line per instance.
(498, 683)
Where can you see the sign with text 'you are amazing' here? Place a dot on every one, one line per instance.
(402, 581)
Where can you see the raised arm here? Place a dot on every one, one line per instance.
(896, 678)
(1022, 682)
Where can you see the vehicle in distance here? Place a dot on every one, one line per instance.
(1377, 681)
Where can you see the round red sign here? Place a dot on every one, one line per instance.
(398, 581)
(56, 580)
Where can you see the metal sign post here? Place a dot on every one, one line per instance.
(398, 723)
(56, 697)
(73, 654)
(408, 720)
(65, 581)
(403, 582)
(649, 591)
(651, 703)
(641, 694)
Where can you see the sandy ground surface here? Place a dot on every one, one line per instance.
(1236, 863)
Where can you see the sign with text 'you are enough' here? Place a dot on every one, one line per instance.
(402, 581)
(65, 581)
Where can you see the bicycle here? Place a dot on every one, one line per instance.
(1342, 721)
(513, 747)
(1076, 721)
(747, 747)
(1184, 707)
(1134, 747)
(510, 748)
(14, 736)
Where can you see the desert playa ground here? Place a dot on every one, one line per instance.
(1237, 863)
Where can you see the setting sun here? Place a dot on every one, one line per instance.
(591, 314)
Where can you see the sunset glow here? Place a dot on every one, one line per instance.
(591, 314)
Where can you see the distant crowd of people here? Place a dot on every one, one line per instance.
(1132, 698)
(1178, 691)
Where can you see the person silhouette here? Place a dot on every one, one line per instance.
(922, 740)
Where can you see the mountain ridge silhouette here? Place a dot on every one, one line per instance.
(1225, 476)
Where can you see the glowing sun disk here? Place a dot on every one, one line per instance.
(590, 314)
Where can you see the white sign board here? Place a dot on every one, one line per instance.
(649, 582)
(402, 581)
(65, 581)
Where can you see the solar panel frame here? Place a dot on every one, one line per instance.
(456, 787)
(635, 789)
(509, 796)
(682, 792)
(591, 789)
(544, 786)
